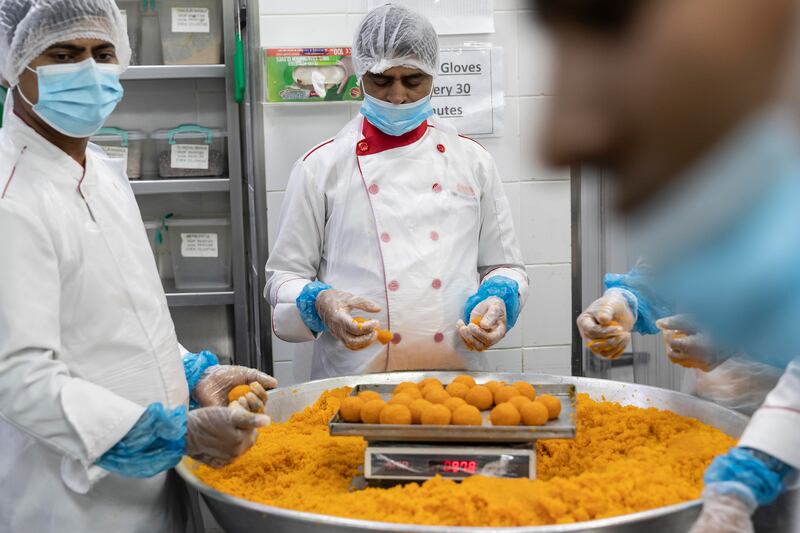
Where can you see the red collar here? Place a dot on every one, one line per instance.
(376, 141)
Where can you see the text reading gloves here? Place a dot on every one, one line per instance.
(396, 119)
(76, 99)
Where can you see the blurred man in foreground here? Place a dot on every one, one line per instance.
(683, 102)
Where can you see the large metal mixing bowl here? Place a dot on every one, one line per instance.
(241, 516)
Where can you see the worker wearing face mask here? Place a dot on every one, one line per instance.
(700, 135)
(94, 387)
(397, 220)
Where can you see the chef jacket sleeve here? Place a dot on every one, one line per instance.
(38, 396)
(295, 258)
(499, 253)
(775, 428)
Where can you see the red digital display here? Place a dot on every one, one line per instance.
(455, 466)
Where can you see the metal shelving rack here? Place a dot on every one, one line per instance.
(238, 295)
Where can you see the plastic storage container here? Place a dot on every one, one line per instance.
(132, 15)
(201, 252)
(191, 31)
(191, 151)
(123, 144)
(152, 227)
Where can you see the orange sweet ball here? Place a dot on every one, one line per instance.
(526, 389)
(552, 403)
(436, 395)
(433, 385)
(237, 392)
(401, 387)
(368, 395)
(371, 411)
(469, 381)
(505, 414)
(402, 399)
(457, 389)
(493, 386)
(467, 415)
(350, 410)
(415, 393)
(396, 414)
(385, 336)
(519, 401)
(454, 403)
(416, 407)
(480, 396)
(436, 415)
(505, 393)
(427, 381)
(534, 414)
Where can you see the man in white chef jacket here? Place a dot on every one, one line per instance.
(398, 220)
(94, 386)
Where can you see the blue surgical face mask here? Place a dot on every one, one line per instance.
(725, 241)
(396, 119)
(76, 99)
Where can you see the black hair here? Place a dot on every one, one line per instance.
(608, 16)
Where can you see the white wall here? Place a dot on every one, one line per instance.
(540, 198)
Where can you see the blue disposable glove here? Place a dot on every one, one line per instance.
(490, 313)
(154, 444)
(194, 365)
(737, 483)
(648, 306)
(306, 304)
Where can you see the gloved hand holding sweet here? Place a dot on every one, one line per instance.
(687, 347)
(217, 435)
(215, 383)
(607, 323)
(335, 310)
(487, 325)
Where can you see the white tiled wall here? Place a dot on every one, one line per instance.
(539, 197)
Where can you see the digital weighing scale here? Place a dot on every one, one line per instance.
(407, 453)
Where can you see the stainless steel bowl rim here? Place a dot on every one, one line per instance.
(397, 377)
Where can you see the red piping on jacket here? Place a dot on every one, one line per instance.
(383, 263)
(13, 172)
(317, 148)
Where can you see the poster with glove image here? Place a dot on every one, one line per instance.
(310, 75)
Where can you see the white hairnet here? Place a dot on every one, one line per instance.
(393, 35)
(29, 27)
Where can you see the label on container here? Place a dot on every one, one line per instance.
(124, 17)
(191, 20)
(189, 156)
(116, 152)
(199, 245)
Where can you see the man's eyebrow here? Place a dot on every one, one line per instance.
(103, 46)
(66, 46)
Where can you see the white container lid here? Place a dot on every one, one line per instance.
(188, 132)
(152, 224)
(183, 222)
(109, 134)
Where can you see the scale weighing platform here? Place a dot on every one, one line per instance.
(408, 453)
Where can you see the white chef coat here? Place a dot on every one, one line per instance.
(86, 341)
(775, 428)
(414, 223)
